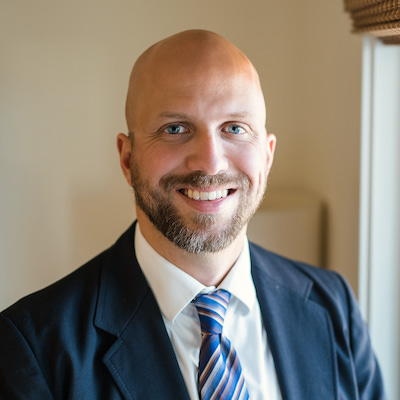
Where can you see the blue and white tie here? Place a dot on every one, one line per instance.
(220, 373)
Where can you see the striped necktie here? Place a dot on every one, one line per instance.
(220, 374)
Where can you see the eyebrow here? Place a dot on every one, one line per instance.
(242, 114)
(174, 115)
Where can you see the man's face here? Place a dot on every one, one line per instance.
(200, 156)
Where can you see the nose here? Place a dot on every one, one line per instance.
(207, 153)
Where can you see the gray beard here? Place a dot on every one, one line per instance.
(160, 210)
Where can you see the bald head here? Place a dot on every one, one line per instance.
(190, 58)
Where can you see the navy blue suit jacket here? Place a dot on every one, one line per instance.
(99, 334)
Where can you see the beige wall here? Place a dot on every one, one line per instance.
(64, 70)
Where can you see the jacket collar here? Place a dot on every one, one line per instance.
(299, 330)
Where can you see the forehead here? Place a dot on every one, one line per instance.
(196, 91)
(202, 99)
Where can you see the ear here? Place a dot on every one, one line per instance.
(125, 153)
(271, 143)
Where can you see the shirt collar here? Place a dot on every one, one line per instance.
(174, 289)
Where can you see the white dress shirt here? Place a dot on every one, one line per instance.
(174, 290)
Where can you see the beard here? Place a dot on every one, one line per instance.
(197, 233)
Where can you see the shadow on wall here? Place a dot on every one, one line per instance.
(292, 224)
(98, 218)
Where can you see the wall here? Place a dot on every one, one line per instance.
(64, 71)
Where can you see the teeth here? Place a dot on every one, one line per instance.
(204, 196)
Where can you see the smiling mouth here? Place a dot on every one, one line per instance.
(206, 196)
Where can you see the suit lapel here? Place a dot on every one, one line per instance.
(141, 360)
(299, 331)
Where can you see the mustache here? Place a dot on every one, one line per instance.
(201, 180)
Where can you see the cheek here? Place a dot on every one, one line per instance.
(155, 162)
(251, 160)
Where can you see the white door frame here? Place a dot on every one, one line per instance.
(379, 262)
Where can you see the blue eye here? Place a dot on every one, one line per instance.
(174, 129)
(235, 129)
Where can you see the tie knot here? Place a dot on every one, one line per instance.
(212, 309)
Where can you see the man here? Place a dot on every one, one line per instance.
(136, 322)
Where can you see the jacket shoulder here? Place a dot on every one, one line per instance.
(325, 287)
(76, 291)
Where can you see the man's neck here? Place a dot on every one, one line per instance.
(208, 268)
